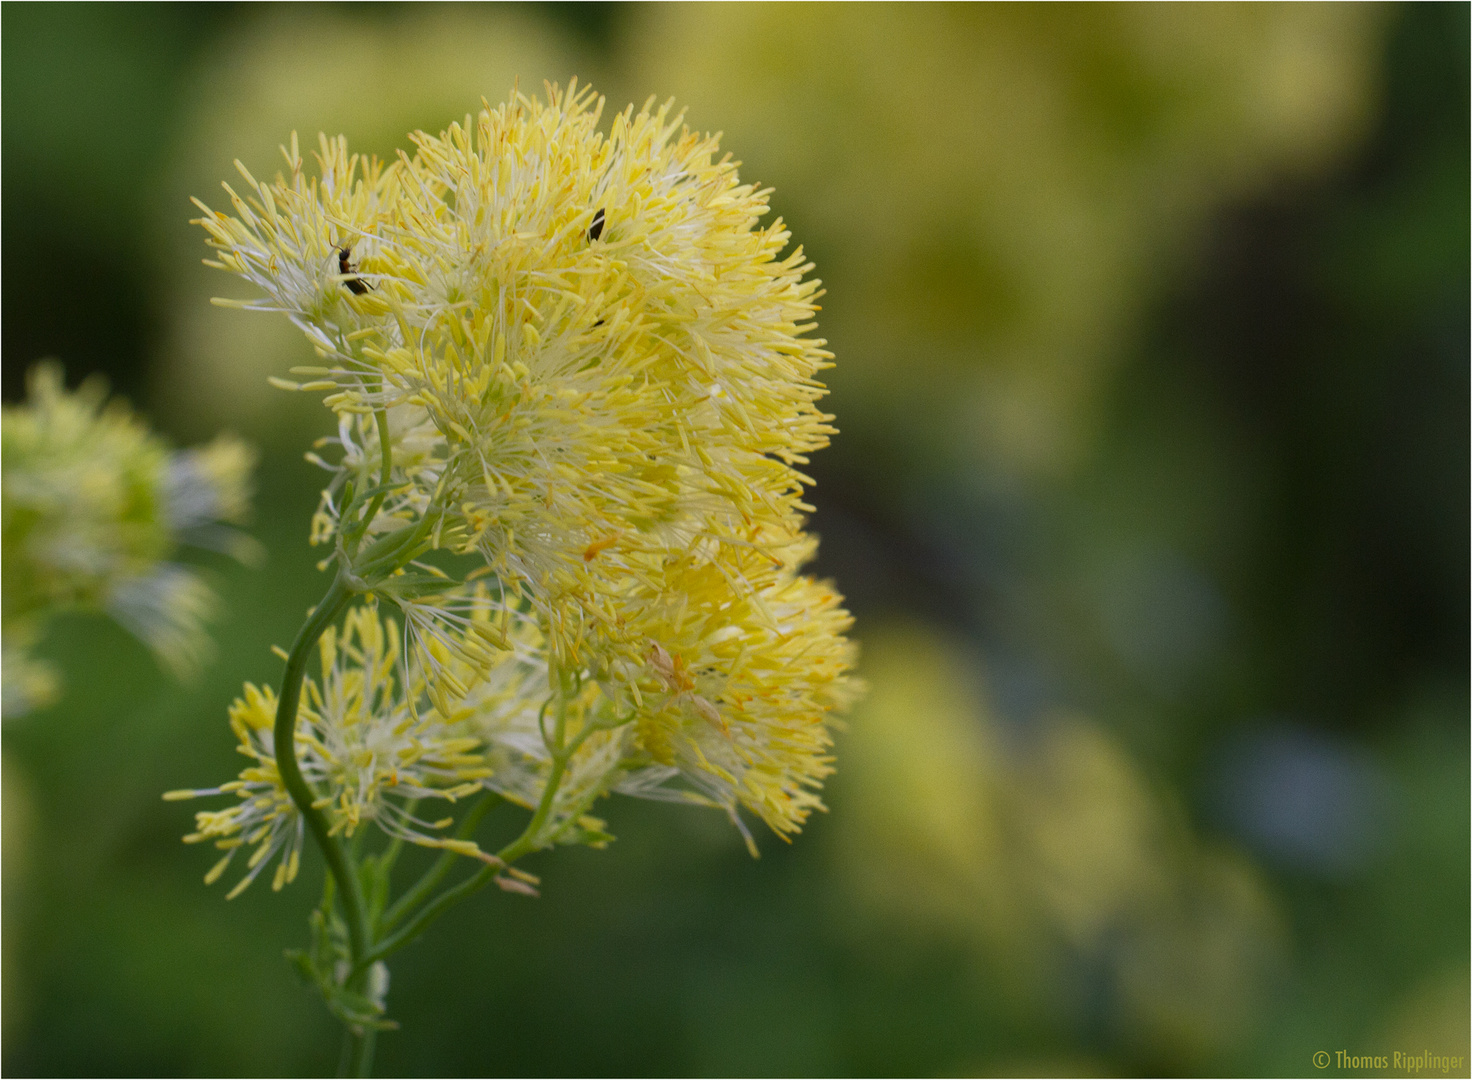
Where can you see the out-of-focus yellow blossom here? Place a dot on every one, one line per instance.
(367, 743)
(997, 191)
(26, 682)
(95, 506)
(610, 348)
(1041, 840)
(1431, 1018)
(922, 831)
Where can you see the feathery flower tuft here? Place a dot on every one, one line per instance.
(591, 364)
(94, 507)
(367, 744)
(738, 689)
(579, 394)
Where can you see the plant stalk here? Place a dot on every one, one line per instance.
(291, 774)
(360, 1060)
(522, 845)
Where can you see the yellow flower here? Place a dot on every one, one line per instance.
(738, 689)
(265, 816)
(596, 349)
(366, 744)
(730, 705)
(94, 506)
(592, 366)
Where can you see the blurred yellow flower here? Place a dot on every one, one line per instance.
(95, 505)
(1043, 839)
(1001, 189)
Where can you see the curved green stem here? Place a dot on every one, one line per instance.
(361, 1044)
(291, 773)
(341, 865)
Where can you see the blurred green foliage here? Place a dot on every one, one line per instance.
(1150, 498)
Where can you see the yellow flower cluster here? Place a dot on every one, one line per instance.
(738, 687)
(95, 506)
(363, 737)
(590, 361)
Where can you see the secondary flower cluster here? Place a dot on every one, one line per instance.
(588, 361)
(361, 736)
(95, 505)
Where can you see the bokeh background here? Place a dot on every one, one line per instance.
(1151, 502)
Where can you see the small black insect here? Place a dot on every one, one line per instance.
(355, 285)
(595, 230)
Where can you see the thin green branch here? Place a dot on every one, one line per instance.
(521, 846)
(386, 449)
(436, 873)
(291, 775)
(361, 1063)
(429, 913)
(388, 553)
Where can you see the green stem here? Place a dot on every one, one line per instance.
(522, 845)
(385, 446)
(361, 1061)
(387, 553)
(436, 873)
(291, 774)
(526, 842)
(345, 1055)
(430, 912)
(341, 866)
(386, 449)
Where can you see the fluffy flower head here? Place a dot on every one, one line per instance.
(366, 741)
(598, 349)
(94, 506)
(580, 356)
